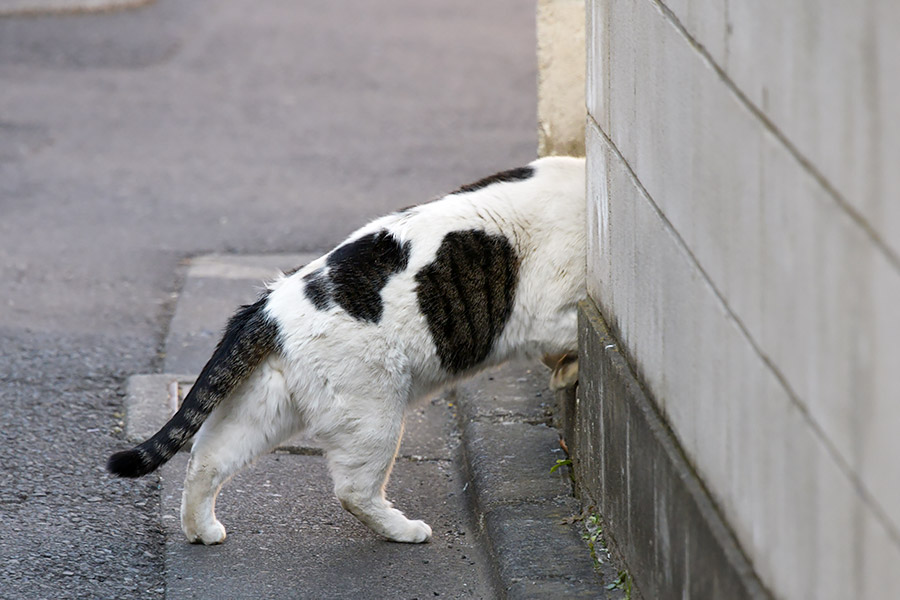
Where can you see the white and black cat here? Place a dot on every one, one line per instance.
(408, 303)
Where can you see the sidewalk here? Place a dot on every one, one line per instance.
(475, 464)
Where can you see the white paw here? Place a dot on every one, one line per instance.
(415, 532)
(208, 536)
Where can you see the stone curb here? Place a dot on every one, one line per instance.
(148, 404)
(524, 511)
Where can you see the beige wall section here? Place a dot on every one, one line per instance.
(561, 58)
(745, 229)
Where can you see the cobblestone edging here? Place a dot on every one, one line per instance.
(528, 516)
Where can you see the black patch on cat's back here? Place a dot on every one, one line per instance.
(318, 289)
(466, 295)
(356, 273)
(520, 174)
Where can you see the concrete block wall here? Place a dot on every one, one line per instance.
(744, 228)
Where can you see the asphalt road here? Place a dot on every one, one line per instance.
(132, 140)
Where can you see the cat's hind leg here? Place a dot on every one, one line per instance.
(361, 452)
(252, 421)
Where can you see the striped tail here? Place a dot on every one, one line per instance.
(248, 339)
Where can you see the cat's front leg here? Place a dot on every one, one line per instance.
(378, 515)
(360, 460)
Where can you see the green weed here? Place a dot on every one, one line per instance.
(595, 541)
(600, 554)
(623, 582)
(562, 462)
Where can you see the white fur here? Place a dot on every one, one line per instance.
(347, 381)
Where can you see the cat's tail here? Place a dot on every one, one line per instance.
(251, 335)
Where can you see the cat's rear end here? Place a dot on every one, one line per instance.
(251, 335)
(407, 303)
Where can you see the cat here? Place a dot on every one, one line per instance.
(407, 304)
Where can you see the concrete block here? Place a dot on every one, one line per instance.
(825, 79)
(599, 267)
(876, 555)
(707, 22)
(829, 81)
(837, 531)
(786, 256)
(561, 60)
(877, 420)
(773, 474)
(597, 47)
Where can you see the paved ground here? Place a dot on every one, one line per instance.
(132, 140)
